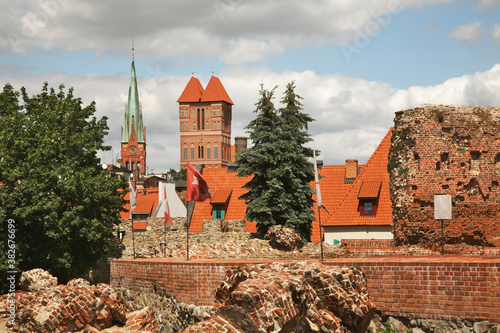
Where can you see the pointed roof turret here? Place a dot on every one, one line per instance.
(133, 112)
(215, 92)
(193, 91)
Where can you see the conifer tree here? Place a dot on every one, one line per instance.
(62, 203)
(279, 191)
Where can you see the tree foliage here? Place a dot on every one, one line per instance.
(279, 191)
(62, 201)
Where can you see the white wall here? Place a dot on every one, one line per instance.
(357, 232)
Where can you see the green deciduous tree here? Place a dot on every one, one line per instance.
(279, 191)
(63, 202)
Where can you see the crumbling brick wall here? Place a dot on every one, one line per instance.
(437, 149)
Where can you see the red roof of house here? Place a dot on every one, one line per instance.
(193, 91)
(333, 189)
(215, 92)
(339, 197)
(145, 203)
(376, 177)
(222, 183)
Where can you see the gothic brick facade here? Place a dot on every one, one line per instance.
(205, 124)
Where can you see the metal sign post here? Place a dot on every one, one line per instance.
(442, 211)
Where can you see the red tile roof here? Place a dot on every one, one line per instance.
(215, 92)
(193, 91)
(369, 189)
(373, 172)
(145, 203)
(221, 196)
(219, 179)
(333, 189)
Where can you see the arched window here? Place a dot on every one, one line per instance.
(128, 165)
(182, 112)
(218, 125)
(213, 111)
(209, 152)
(206, 112)
(132, 164)
(207, 126)
(194, 125)
(200, 151)
(218, 111)
(194, 113)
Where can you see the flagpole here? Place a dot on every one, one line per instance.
(188, 223)
(320, 234)
(164, 239)
(133, 233)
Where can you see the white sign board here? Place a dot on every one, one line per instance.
(442, 207)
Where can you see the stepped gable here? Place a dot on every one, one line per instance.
(372, 180)
(215, 92)
(287, 297)
(193, 91)
(221, 181)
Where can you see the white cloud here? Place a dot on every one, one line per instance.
(468, 33)
(235, 31)
(351, 115)
(488, 4)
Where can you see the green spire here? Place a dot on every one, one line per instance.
(133, 112)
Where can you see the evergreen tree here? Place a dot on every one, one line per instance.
(297, 171)
(62, 202)
(279, 191)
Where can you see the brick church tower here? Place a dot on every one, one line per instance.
(205, 124)
(133, 140)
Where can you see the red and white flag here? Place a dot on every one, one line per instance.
(166, 208)
(197, 188)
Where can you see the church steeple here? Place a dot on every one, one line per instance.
(133, 111)
(133, 140)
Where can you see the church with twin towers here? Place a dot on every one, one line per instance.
(205, 116)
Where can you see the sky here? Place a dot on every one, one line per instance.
(355, 63)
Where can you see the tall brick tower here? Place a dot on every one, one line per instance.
(133, 140)
(205, 124)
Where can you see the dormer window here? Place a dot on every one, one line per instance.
(368, 197)
(219, 203)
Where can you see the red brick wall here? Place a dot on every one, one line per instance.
(452, 150)
(423, 287)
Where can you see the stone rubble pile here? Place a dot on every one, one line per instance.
(37, 279)
(230, 242)
(286, 237)
(290, 297)
(75, 307)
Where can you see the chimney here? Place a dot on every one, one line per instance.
(240, 143)
(351, 168)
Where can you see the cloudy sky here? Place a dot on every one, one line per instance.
(355, 62)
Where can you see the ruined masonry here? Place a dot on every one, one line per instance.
(437, 149)
(290, 297)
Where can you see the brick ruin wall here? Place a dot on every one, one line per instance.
(452, 150)
(443, 288)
